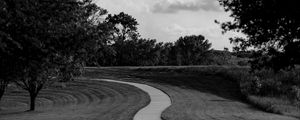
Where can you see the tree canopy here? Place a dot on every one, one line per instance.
(124, 26)
(192, 50)
(47, 38)
(272, 28)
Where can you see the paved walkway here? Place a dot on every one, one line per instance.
(159, 101)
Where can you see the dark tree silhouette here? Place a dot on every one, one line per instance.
(124, 26)
(49, 38)
(9, 70)
(145, 52)
(192, 50)
(167, 54)
(124, 30)
(10, 65)
(272, 28)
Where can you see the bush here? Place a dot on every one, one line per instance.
(269, 91)
(243, 63)
(295, 93)
(268, 83)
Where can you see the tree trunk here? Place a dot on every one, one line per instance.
(32, 101)
(1, 92)
(2, 89)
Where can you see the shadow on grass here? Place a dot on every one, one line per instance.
(219, 81)
(186, 78)
(204, 83)
(26, 112)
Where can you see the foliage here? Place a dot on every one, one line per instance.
(192, 50)
(243, 54)
(123, 46)
(188, 50)
(101, 52)
(167, 54)
(124, 26)
(271, 29)
(124, 29)
(49, 38)
(217, 57)
(142, 52)
(269, 91)
(272, 92)
(8, 70)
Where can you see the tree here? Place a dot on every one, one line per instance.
(145, 52)
(192, 50)
(9, 64)
(217, 57)
(124, 29)
(272, 28)
(4, 50)
(9, 67)
(103, 54)
(167, 54)
(48, 37)
(124, 26)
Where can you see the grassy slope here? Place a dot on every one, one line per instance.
(194, 96)
(79, 100)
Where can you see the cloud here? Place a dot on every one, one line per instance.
(212, 34)
(176, 29)
(128, 6)
(174, 6)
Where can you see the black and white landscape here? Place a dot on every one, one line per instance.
(149, 60)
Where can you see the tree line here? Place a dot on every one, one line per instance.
(125, 47)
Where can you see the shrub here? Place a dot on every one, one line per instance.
(243, 63)
(294, 93)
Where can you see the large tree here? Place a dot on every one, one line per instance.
(124, 30)
(124, 26)
(272, 28)
(103, 54)
(192, 50)
(49, 37)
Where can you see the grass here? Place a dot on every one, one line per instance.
(278, 92)
(78, 100)
(272, 92)
(197, 92)
(201, 92)
(273, 104)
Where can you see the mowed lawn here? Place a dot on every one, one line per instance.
(82, 99)
(195, 96)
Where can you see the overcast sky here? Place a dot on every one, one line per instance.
(167, 20)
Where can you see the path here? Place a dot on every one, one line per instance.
(159, 101)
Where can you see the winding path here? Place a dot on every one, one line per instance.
(159, 101)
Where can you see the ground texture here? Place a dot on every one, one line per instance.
(78, 100)
(194, 97)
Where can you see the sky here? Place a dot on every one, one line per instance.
(167, 20)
